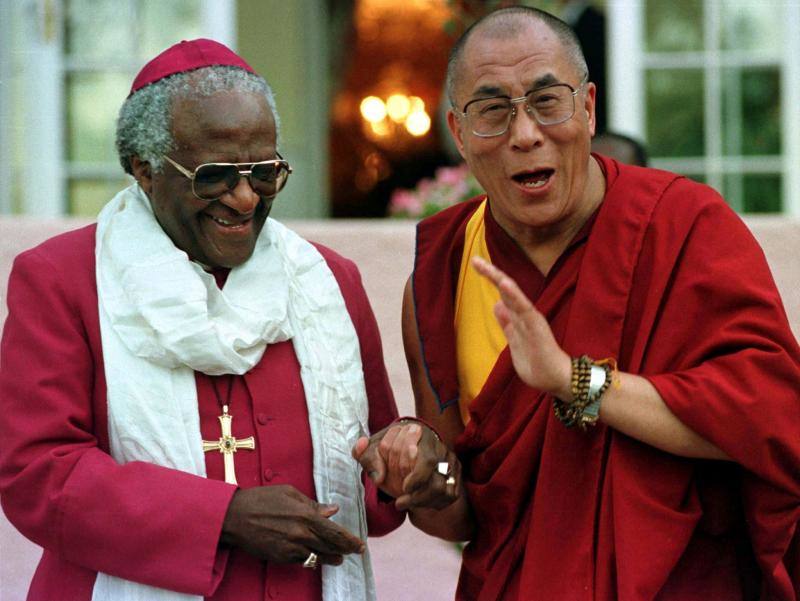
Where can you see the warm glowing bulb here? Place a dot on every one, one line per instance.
(398, 106)
(418, 123)
(373, 109)
(380, 128)
(417, 104)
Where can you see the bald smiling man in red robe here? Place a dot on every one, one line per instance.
(181, 383)
(604, 349)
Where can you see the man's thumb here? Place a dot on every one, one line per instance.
(370, 460)
(359, 448)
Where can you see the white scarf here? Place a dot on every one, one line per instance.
(162, 318)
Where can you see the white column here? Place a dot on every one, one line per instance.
(218, 21)
(790, 114)
(286, 42)
(712, 100)
(43, 183)
(625, 35)
(6, 98)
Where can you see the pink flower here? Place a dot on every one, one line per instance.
(449, 186)
(425, 188)
(451, 175)
(462, 187)
(405, 202)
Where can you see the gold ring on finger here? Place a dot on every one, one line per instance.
(311, 561)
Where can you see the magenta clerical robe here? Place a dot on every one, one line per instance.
(147, 523)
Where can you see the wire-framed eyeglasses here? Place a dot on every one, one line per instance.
(550, 105)
(212, 180)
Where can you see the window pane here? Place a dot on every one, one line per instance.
(87, 197)
(675, 112)
(748, 25)
(93, 101)
(751, 102)
(762, 193)
(183, 17)
(754, 192)
(98, 29)
(697, 177)
(675, 26)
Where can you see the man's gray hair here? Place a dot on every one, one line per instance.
(508, 22)
(144, 125)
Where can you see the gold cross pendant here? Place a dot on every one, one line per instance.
(228, 445)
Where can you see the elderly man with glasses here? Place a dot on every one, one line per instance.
(182, 383)
(603, 348)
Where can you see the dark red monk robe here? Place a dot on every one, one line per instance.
(63, 490)
(671, 283)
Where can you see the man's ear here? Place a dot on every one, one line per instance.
(589, 106)
(454, 125)
(143, 174)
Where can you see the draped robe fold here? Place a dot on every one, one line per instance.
(668, 280)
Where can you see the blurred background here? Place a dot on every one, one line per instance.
(711, 87)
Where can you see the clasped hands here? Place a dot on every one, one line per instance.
(407, 461)
(282, 525)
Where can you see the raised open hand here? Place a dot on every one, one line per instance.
(538, 359)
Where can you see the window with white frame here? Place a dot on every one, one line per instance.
(71, 63)
(712, 86)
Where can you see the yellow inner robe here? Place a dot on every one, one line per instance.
(479, 338)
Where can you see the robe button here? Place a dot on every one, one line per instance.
(263, 419)
(268, 475)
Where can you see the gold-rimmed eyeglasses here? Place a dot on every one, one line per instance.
(549, 105)
(212, 180)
